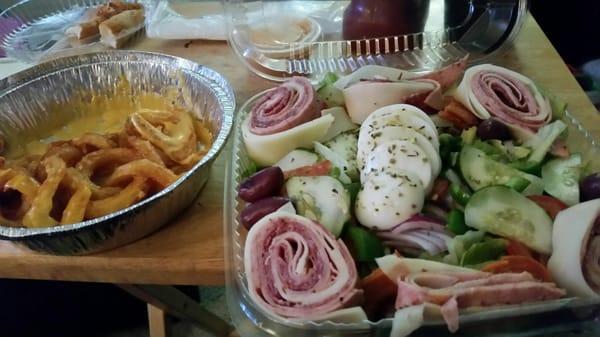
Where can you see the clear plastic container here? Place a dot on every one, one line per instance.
(182, 19)
(278, 39)
(545, 318)
(35, 30)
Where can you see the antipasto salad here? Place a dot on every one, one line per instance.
(386, 193)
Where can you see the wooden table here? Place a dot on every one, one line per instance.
(190, 250)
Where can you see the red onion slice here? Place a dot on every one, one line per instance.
(295, 268)
(420, 233)
(292, 103)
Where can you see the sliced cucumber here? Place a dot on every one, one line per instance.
(469, 135)
(560, 178)
(502, 211)
(323, 199)
(536, 187)
(346, 145)
(510, 150)
(296, 159)
(336, 160)
(481, 171)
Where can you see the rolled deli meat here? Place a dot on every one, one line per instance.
(297, 269)
(575, 260)
(292, 103)
(491, 91)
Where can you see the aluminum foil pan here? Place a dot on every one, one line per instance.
(25, 96)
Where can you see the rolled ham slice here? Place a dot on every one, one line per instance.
(362, 98)
(575, 260)
(292, 103)
(491, 91)
(296, 269)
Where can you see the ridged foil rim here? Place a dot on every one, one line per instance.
(218, 85)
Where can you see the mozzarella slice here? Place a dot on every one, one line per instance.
(368, 141)
(400, 155)
(266, 150)
(392, 115)
(389, 198)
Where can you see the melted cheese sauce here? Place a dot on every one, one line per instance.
(101, 115)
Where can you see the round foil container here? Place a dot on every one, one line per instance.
(24, 101)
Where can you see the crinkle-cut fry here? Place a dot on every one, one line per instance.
(141, 168)
(39, 213)
(145, 149)
(134, 192)
(89, 142)
(82, 192)
(101, 158)
(27, 187)
(66, 151)
(171, 131)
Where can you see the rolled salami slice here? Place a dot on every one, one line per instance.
(296, 269)
(574, 263)
(491, 91)
(292, 103)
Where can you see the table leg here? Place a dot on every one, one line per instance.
(178, 304)
(156, 322)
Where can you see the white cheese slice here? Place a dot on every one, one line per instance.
(267, 150)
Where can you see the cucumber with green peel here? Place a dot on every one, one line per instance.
(535, 187)
(504, 212)
(297, 158)
(322, 198)
(479, 171)
(346, 145)
(511, 152)
(561, 178)
(469, 135)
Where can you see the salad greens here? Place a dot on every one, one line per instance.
(331, 95)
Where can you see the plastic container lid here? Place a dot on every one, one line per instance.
(279, 39)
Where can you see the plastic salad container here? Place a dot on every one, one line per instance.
(324, 38)
(251, 320)
(278, 39)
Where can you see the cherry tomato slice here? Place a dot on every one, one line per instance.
(518, 264)
(550, 204)
(321, 168)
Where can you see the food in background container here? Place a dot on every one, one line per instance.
(116, 31)
(90, 24)
(283, 36)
